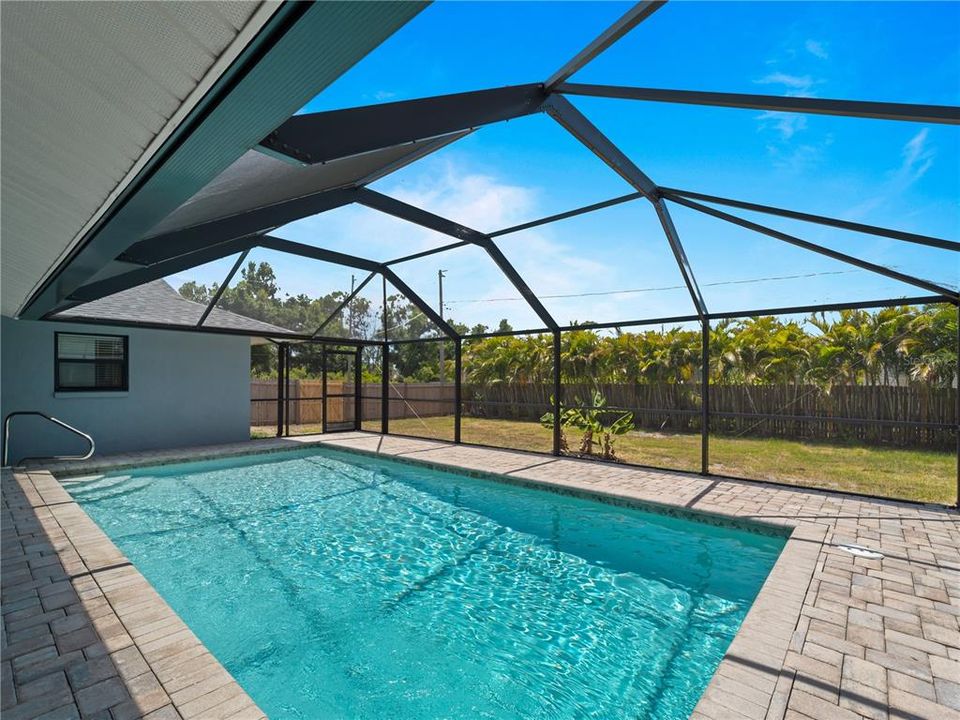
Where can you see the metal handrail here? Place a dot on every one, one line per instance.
(61, 423)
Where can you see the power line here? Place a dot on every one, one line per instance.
(658, 289)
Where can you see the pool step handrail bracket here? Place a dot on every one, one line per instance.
(70, 428)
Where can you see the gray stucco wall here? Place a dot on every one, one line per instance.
(185, 389)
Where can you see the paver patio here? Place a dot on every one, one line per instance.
(831, 634)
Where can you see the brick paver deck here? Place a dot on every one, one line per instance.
(830, 636)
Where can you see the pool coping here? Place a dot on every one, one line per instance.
(160, 669)
(756, 678)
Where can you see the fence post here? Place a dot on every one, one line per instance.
(557, 389)
(280, 363)
(956, 411)
(457, 389)
(705, 397)
(385, 388)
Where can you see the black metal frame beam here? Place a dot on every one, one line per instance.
(633, 17)
(331, 256)
(817, 106)
(428, 253)
(223, 286)
(567, 214)
(557, 392)
(813, 247)
(422, 306)
(160, 248)
(291, 247)
(561, 110)
(670, 230)
(321, 137)
(834, 307)
(412, 214)
(281, 362)
(124, 281)
(458, 389)
(506, 267)
(523, 226)
(418, 216)
(678, 319)
(346, 301)
(705, 397)
(671, 193)
(576, 123)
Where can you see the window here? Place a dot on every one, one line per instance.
(90, 362)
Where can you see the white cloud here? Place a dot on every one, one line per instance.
(817, 49)
(795, 160)
(799, 85)
(476, 200)
(787, 124)
(916, 158)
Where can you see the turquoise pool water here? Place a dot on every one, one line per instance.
(338, 586)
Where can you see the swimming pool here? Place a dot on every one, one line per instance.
(334, 585)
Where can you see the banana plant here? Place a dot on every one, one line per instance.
(589, 419)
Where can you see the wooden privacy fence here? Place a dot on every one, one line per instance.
(407, 400)
(867, 414)
(849, 412)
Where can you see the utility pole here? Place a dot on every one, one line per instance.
(441, 343)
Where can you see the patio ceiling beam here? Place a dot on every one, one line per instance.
(424, 307)
(346, 301)
(117, 283)
(290, 247)
(833, 307)
(948, 293)
(673, 238)
(633, 17)
(321, 137)
(729, 315)
(428, 253)
(943, 114)
(507, 268)
(818, 219)
(164, 247)
(405, 211)
(568, 214)
(223, 286)
(561, 110)
(294, 248)
(275, 338)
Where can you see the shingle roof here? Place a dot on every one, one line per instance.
(157, 302)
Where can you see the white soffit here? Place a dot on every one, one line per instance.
(90, 91)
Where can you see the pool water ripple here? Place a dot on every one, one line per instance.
(338, 586)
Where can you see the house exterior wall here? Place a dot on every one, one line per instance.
(185, 389)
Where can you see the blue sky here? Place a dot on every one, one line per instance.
(902, 175)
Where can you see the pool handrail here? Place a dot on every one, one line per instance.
(61, 423)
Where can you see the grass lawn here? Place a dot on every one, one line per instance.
(891, 472)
